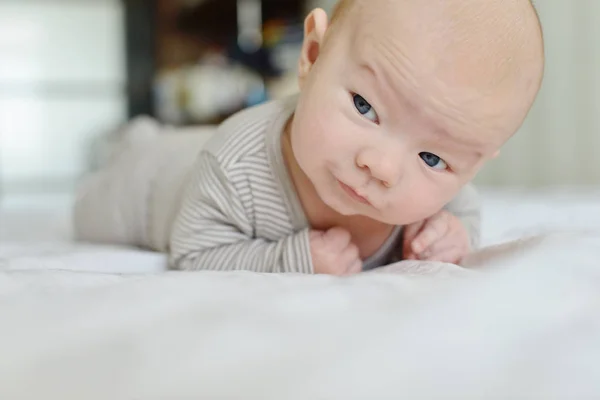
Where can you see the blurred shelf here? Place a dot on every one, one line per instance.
(216, 21)
(171, 35)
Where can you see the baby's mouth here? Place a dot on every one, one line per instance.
(351, 192)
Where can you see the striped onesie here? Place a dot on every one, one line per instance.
(241, 211)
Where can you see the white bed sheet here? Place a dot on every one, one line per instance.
(85, 321)
(526, 330)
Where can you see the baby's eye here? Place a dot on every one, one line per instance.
(365, 108)
(433, 161)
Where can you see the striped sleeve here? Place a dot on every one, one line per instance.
(467, 207)
(213, 232)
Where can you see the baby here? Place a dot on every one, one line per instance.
(401, 103)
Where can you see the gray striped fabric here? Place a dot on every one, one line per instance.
(240, 210)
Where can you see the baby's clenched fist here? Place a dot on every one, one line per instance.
(333, 252)
(442, 237)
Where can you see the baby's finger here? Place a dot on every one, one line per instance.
(337, 238)
(314, 234)
(355, 268)
(453, 255)
(350, 254)
(409, 234)
(435, 229)
(411, 231)
(440, 246)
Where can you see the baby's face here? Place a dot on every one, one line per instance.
(380, 130)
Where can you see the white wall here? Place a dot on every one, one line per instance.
(62, 74)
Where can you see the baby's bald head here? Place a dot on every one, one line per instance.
(495, 46)
(408, 99)
(344, 8)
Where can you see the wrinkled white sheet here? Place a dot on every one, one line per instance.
(525, 326)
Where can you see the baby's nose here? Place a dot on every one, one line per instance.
(381, 167)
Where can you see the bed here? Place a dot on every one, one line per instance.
(108, 322)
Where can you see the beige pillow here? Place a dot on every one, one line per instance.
(133, 199)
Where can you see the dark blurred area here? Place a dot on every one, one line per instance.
(200, 61)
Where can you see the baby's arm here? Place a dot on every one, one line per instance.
(213, 232)
(467, 207)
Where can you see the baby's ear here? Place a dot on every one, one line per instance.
(315, 26)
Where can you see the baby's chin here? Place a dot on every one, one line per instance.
(376, 215)
(339, 206)
(347, 210)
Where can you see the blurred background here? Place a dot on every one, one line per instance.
(74, 72)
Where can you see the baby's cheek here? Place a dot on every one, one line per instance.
(307, 137)
(328, 140)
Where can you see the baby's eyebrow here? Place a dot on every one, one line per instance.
(465, 146)
(369, 69)
(366, 68)
(453, 138)
(382, 84)
(462, 157)
(378, 76)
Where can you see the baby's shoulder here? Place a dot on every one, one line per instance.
(244, 133)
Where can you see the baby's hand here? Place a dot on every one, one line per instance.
(441, 237)
(333, 253)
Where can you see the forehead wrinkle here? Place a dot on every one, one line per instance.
(411, 109)
(427, 96)
(401, 68)
(464, 127)
(417, 96)
(393, 70)
(400, 87)
(404, 41)
(491, 36)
